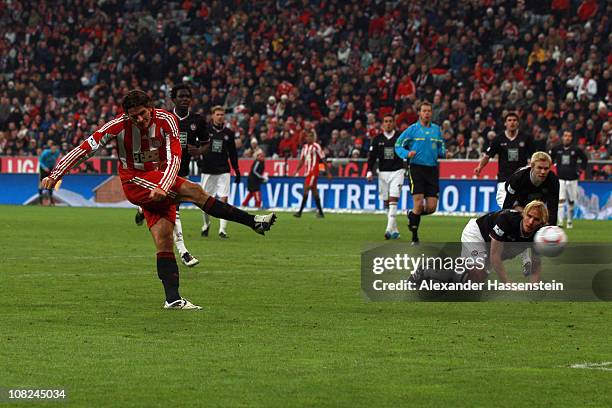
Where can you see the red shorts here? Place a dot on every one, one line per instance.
(311, 179)
(137, 190)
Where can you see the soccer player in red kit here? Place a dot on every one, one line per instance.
(311, 156)
(149, 159)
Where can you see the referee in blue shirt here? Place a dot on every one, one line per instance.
(46, 163)
(423, 145)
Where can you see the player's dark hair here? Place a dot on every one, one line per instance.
(388, 115)
(136, 97)
(425, 103)
(509, 114)
(178, 88)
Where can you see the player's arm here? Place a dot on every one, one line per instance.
(512, 192)
(584, 160)
(372, 157)
(42, 158)
(203, 139)
(170, 127)
(323, 160)
(233, 157)
(403, 144)
(441, 146)
(301, 162)
(497, 249)
(536, 271)
(76, 156)
(491, 151)
(257, 172)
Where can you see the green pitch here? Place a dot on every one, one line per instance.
(285, 323)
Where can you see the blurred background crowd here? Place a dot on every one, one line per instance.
(279, 67)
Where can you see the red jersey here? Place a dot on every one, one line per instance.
(157, 149)
(312, 154)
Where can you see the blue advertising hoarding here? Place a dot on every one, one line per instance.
(351, 194)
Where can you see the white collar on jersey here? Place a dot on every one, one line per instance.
(177, 115)
(389, 135)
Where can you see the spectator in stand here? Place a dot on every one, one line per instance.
(477, 57)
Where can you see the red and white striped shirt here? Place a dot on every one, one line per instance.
(312, 154)
(157, 149)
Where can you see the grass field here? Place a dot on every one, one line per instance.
(285, 323)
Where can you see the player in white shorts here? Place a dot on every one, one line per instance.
(390, 172)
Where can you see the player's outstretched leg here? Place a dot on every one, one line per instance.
(194, 193)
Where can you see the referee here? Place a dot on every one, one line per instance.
(215, 167)
(390, 172)
(566, 158)
(422, 143)
(513, 149)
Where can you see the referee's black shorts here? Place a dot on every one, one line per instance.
(424, 180)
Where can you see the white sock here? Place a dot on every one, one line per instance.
(392, 217)
(206, 219)
(222, 225)
(570, 213)
(561, 214)
(178, 235)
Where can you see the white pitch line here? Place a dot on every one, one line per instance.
(605, 366)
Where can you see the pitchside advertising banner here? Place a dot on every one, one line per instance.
(440, 272)
(344, 194)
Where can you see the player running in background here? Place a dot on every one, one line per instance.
(311, 156)
(566, 157)
(149, 160)
(513, 149)
(193, 134)
(214, 165)
(490, 240)
(390, 172)
(423, 145)
(256, 178)
(46, 162)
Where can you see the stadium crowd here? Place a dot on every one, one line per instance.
(279, 67)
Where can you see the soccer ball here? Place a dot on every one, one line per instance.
(550, 241)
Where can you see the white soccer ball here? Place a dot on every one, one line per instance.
(550, 240)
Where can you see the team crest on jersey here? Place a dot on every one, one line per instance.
(434, 145)
(225, 137)
(156, 143)
(193, 127)
(522, 144)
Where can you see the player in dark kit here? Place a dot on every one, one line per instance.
(513, 149)
(215, 167)
(535, 182)
(566, 158)
(490, 240)
(193, 135)
(256, 178)
(390, 172)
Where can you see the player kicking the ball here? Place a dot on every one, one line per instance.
(149, 155)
